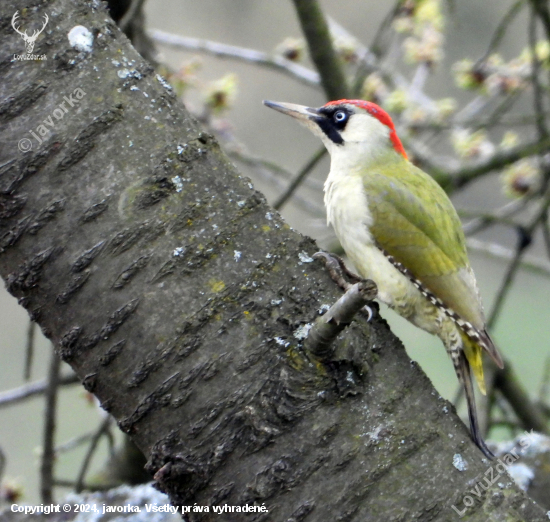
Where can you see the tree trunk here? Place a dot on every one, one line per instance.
(178, 296)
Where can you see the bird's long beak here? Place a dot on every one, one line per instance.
(300, 112)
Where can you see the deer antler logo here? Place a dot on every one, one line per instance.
(29, 40)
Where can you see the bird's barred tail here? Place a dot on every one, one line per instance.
(474, 356)
(462, 368)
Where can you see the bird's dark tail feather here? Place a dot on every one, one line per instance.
(462, 369)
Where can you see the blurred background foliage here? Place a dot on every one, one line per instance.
(467, 85)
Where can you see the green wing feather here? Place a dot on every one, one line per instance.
(416, 223)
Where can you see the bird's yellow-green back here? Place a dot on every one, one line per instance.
(415, 222)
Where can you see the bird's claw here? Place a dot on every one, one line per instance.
(369, 312)
(337, 269)
(334, 267)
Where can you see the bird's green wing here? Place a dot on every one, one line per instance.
(415, 222)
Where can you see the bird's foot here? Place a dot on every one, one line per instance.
(337, 269)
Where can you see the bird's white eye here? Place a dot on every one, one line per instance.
(340, 116)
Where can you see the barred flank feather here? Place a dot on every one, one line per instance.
(474, 339)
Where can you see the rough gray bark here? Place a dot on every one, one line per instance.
(177, 295)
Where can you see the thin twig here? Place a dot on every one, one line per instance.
(83, 439)
(542, 10)
(514, 265)
(501, 109)
(502, 215)
(376, 45)
(484, 220)
(294, 70)
(32, 389)
(538, 104)
(129, 15)
(528, 413)
(272, 173)
(2, 465)
(73, 443)
(300, 177)
(507, 120)
(62, 483)
(29, 351)
(461, 177)
(103, 428)
(255, 161)
(48, 452)
(500, 31)
(419, 79)
(368, 61)
(546, 234)
(545, 382)
(496, 251)
(504, 288)
(471, 110)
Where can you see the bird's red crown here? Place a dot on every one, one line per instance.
(381, 115)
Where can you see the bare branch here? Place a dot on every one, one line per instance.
(544, 14)
(134, 8)
(529, 414)
(538, 104)
(85, 487)
(48, 451)
(514, 265)
(502, 27)
(532, 264)
(272, 173)
(32, 389)
(29, 351)
(460, 177)
(502, 215)
(546, 234)
(102, 430)
(294, 70)
(545, 383)
(321, 50)
(300, 177)
(340, 315)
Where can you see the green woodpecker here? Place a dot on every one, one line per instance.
(399, 228)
